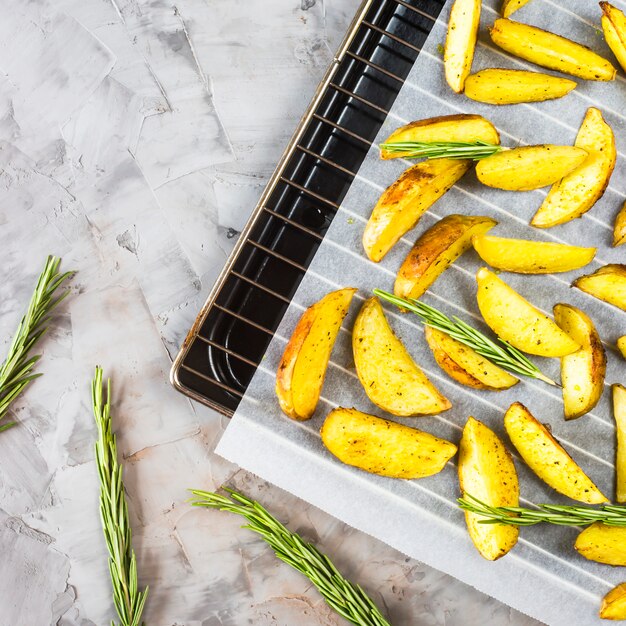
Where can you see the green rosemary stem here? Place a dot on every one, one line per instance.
(347, 599)
(474, 150)
(129, 601)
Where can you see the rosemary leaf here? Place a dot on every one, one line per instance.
(474, 150)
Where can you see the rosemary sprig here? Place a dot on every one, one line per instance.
(16, 373)
(505, 355)
(474, 150)
(129, 601)
(347, 599)
(561, 515)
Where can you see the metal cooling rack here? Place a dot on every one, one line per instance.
(223, 348)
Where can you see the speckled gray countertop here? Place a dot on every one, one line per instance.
(135, 138)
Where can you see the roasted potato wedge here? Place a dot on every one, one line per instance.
(510, 6)
(603, 544)
(530, 257)
(302, 369)
(517, 321)
(460, 127)
(502, 86)
(614, 603)
(547, 458)
(465, 365)
(621, 345)
(619, 229)
(486, 471)
(619, 413)
(608, 284)
(404, 202)
(460, 42)
(614, 27)
(382, 447)
(529, 167)
(549, 50)
(440, 246)
(390, 377)
(577, 192)
(583, 371)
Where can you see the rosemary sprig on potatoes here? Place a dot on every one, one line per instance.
(473, 150)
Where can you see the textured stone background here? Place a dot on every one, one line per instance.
(135, 138)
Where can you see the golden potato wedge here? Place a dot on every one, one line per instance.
(529, 167)
(302, 369)
(486, 471)
(603, 544)
(621, 345)
(458, 52)
(583, 371)
(549, 50)
(390, 377)
(530, 257)
(382, 447)
(547, 458)
(440, 246)
(510, 6)
(619, 229)
(465, 365)
(577, 192)
(459, 127)
(614, 27)
(619, 413)
(614, 603)
(502, 86)
(404, 202)
(517, 321)
(608, 284)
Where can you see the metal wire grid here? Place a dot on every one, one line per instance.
(226, 343)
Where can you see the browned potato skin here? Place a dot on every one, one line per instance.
(383, 447)
(614, 603)
(603, 544)
(607, 284)
(619, 230)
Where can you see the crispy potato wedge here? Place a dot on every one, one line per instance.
(583, 371)
(619, 229)
(530, 257)
(460, 127)
(390, 377)
(404, 202)
(614, 603)
(603, 544)
(614, 27)
(549, 50)
(547, 458)
(440, 246)
(302, 369)
(382, 447)
(577, 192)
(502, 86)
(465, 365)
(460, 42)
(529, 167)
(510, 6)
(621, 345)
(517, 321)
(608, 284)
(619, 413)
(486, 471)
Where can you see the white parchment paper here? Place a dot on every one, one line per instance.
(543, 576)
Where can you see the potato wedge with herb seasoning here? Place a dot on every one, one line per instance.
(436, 249)
(619, 413)
(549, 50)
(523, 256)
(621, 345)
(302, 369)
(465, 365)
(608, 284)
(510, 6)
(460, 127)
(614, 603)
(486, 471)
(390, 377)
(403, 203)
(547, 458)
(502, 86)
(529, 167)
(458, 52)
(517, 321)
(583, 371)
(614, 27)
(619, 229)
(577, 192)
(383, 447)
(603, 544)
